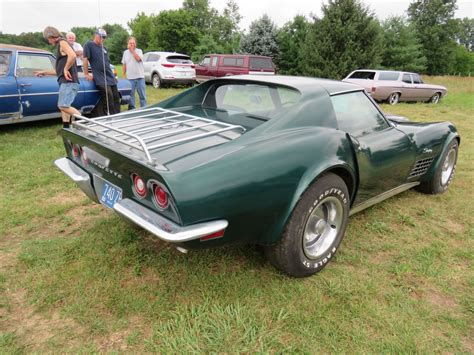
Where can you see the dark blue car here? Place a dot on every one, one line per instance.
(25, 97)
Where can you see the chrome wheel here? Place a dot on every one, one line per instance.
(435, 98)
(448, 166)
(393, 98)
(322, 227)
(156, 81)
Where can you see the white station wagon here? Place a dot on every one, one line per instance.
(395, 86)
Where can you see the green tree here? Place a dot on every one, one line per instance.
(83, 34)
(261, 39)
(173, 30)
(465, 32)
(347, 37)
(141, 26)
(401, 48)
(291, 38)
(207, 45)
(435, 27)
(463, 61)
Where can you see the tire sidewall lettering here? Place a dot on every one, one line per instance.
(324, 259)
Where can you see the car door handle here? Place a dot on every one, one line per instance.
(23, 85)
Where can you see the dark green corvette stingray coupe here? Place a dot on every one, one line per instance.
(271, 160)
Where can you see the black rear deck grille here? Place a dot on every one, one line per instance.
(421, 167)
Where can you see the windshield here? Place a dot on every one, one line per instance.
(257, 100)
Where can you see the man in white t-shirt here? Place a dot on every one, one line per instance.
(134, 70)
(71, 38)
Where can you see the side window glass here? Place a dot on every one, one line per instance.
(357, 115)
(206, 61)
(214, 61)
(5, 60)
(229, 62)
(406, 78)
(416, 79)
(28, 64)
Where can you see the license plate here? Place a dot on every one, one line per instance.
(110, 194)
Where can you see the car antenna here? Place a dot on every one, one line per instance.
(103, 63)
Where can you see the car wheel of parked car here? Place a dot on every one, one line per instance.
(393, 98)
(314, 230)
(435, 98)
(444, 174)
(156, 81)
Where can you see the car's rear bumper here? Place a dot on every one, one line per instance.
(142, 216)
(188, 80)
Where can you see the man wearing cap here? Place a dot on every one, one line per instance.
(97, 55)
(66, 71)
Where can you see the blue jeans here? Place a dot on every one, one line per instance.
(139, 85)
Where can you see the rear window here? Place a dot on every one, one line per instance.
(369, 75)
(261, 63)
(386, 75)
(258, 101)
(179, 59)
(233, 62)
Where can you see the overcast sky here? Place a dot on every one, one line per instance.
(18, 16)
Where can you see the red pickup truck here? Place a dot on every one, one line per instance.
(218, 65)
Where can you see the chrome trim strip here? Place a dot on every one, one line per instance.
(162, 227)
(383, 196)
(78, 175)
(346, 91)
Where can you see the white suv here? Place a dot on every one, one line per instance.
(168, 68)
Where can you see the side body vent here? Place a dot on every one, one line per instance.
(421, 167)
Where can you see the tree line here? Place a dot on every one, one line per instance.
(347, 36)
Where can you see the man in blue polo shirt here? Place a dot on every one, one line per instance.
(97, 56)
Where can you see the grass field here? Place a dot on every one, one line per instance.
(74, 277)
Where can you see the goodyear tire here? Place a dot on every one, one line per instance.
(444, 174)
(315, 229)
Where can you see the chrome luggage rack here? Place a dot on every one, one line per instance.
(155, 128)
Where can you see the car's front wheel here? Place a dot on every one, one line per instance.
(315, 229)
(156, 81)
(444, 173)
(393, 98)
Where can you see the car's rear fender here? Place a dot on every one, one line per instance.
(342, 164)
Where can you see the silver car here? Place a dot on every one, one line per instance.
(395, 86)
(168, 68)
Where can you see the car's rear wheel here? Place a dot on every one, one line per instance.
(435, 98)
(444, 174)
(393, 98)
(156, 81)
(315, 229)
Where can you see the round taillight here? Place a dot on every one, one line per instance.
(160, 196)
(75, 150)
(139, 186)
(84, 157)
